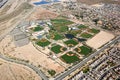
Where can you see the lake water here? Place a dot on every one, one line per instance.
(45, 2)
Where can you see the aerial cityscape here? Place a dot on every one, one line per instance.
(59, 39)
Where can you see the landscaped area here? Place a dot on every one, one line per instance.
(57, 49)
(95, 31)
(43, 42)
(55, 36)
(51, 72)
(71, 42)
(84, 50)
(82, 26)
(61, 24)
(38, 28)
(86, 35)
(70, 57)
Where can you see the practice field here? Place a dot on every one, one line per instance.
(43, 42)
(57, 49)
(86, 35)
(70, 57)
(71, 42)
(82, 27)
(93, 30)
(61, 24)
(100, 39)
(84, 50)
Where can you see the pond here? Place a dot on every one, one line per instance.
(69, 36)
(45, 2)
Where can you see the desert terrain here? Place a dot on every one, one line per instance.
(11, 71)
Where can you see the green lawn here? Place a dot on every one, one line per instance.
(71, 41)
(70, 59)
(75, 32)
(84, 50)
(57, 49)
(82, 26)
(43, 42)
(86, 35)
(38, 28)
(61, 24)
(51, 72)
(55, 36)
(94, 30)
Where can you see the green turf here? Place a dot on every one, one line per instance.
(70, 59)
(71, 41)
(38, 28)
(84, 50)
(82, 26)
(56, 49)
(51, 72)
(86, 35)
(61, 24)
(94, 30)
(58, 37)
(43, 44)
(74, 32)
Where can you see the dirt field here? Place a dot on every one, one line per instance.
(29, 52)
(41, 13)
(12, 71)
(100, 39)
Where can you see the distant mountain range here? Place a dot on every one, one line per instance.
(90, 2)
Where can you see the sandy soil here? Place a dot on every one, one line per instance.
(29, 52)
(41, 13)
(12, 71)
(100, 39)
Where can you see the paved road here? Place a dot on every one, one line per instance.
(66, 73)
(37, 70)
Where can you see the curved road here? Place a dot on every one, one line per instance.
(37, 70)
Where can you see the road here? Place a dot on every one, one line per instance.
(66, 73)
(37, 70)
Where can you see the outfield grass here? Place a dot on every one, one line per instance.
(71, 41)
(94, 30)
(38, 28)
(84, 50)
(86, 35)
(57, 49)
(43, 42)
(82, 26)
(70, 59)
(75, 32)
(55, 36)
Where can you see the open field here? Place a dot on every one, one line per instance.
(61, 24)
(41, 13)
(100, 39)
(29, 53)
(86, 35)
(12, 71)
